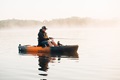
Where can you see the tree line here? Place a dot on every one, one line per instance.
(72, 21)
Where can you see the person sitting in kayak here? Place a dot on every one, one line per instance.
(43, 39)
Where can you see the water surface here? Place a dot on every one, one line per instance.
(99, 57)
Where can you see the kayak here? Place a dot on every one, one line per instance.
(64, 50)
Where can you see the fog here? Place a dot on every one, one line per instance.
(61, 22)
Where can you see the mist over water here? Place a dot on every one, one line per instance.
(99, 57)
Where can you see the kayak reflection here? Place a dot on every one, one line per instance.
(43, 61)
(48, 54)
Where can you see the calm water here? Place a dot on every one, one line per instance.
(99, 55)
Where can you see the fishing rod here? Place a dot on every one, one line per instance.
(69, 38)
(66, 38)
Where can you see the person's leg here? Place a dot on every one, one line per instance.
(44, 43)
(53, 42)
(50, 44)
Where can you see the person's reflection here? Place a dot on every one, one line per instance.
(44, 60)
(43, 63)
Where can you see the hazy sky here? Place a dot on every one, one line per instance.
(52, 9)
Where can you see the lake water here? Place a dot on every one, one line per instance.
(99, 54)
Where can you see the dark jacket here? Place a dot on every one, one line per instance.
(42, 36)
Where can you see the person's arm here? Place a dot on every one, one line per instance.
(50, 37)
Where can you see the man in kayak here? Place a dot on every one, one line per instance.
(43, 39)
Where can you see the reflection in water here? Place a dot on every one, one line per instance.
(43, 79)
(43, 74)
(45, 58)
(43, 62)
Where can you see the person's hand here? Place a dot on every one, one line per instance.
(50, 38)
